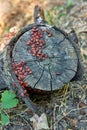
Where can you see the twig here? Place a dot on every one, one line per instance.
(61, 117)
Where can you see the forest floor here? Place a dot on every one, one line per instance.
(65, 109)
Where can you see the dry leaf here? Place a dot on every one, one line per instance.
(39, 122)
(73, 122)
(82, 104)
(35, 119)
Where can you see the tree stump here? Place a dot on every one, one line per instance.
(39, 58)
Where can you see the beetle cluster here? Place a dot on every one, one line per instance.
(37, 42)
(21, 71)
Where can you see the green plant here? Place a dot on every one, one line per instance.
(48, 16)
(8, 101)
(70, 3)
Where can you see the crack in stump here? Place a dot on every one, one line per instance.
(39, 78)
(50, 78)
(59, 43)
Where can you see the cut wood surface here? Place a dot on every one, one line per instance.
(57, 69)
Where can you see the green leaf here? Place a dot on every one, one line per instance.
(70, 3)
(60, 15)
(7, 95)
(4, 119)
(85, 56)
(68, 127)
(8, 100)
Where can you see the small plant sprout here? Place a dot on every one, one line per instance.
(8, 101)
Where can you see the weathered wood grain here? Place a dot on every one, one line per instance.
(62, 59)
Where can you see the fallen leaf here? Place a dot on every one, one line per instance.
(73, 122)
(34, 119)
(82, 104)
(39, 122)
